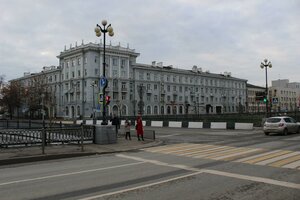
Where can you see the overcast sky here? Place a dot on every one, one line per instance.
(217, 35)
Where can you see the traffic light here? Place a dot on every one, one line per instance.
(265, 99)
(107, 100)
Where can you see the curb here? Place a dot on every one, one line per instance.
(28, 159)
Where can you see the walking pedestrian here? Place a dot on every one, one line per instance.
(127, 129)
(139, 128)
(116, 121)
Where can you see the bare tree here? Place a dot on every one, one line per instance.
(11, 97)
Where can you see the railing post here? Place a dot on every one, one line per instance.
(43, 140)
(82, 131)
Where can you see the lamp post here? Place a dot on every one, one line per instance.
(98, 30)
(265, 64)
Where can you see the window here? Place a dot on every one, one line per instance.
(115, 62)
(96, 71)
(115, 73)
(168, 88)
(155, 86)
(78, 73)
(148, 76)
(123, 73)
(148, 97)
(73, 74)
(141, 76)
(78, 61)
(123, 63)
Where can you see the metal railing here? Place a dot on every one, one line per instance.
(10, 137)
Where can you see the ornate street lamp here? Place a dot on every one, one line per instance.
(98, 30)
(265, 65)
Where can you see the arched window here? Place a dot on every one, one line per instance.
(124, 110)
(162, 110)
(115, 110)
(168, 110)
(67, 111)
(78, 111)
(174, 110)
(180, 110)
(149, 110)
(155, 110)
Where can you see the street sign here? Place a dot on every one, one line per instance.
(103, 82)
(275, 100)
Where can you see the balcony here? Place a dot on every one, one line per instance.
(149, 91)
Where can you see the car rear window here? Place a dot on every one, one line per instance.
(273, 120)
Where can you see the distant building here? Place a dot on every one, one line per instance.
(254, 105)
(286, 95)
(134, 88)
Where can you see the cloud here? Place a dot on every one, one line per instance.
(233, 35)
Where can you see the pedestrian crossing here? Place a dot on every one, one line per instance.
(255, 156)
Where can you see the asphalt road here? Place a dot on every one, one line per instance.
(192, 164)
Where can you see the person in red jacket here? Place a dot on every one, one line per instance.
(139, 128)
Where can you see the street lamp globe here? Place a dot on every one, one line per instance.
(98, 34)
(111, 34)
(97, 30)
(262, 65)
(104, 22)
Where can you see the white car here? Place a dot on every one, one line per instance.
(281, 124)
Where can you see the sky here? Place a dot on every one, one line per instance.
(220, 36)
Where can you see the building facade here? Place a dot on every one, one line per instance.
(286, 94)
(134, 88)
(254, 105)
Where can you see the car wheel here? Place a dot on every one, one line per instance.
(266, 133)
(285, 131)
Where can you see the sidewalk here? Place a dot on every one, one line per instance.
(16, 155)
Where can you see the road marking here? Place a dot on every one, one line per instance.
(237, 155)
(188, 150)
(158, 149)
(285, 161)
(68, 174)
(140, 187)
(162, 136)
(293, 165)
(256, 156)
(255, 179)
(211, 152)
(156, 162)
(216, 172)
(265, 162)
(255, 160)
(275, 158)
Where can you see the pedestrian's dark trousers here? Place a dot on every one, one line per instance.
(127, 134)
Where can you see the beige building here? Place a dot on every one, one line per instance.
(285, 96)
